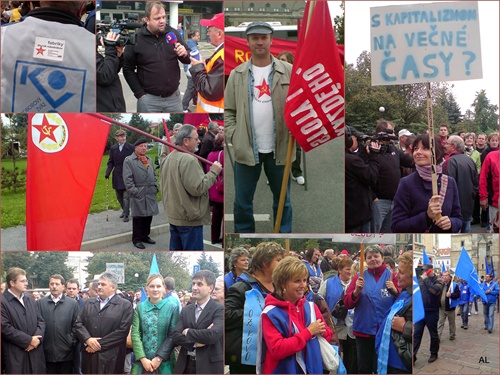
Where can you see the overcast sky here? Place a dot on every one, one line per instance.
(357, 39)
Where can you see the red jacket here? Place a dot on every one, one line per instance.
(279, 347)
(489, 169)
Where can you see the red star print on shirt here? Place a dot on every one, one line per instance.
(264, 89)
(40, 51)
(46, 130)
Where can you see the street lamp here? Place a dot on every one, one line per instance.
(136, 275)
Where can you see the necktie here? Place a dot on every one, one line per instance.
(197, 312)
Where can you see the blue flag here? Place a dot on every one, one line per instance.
(144, 297)
(425, 258)
(154, 266)
(443, 268)
(466, 270)
(492, 268)
(486, 266)
(418, 303)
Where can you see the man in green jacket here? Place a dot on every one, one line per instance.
(185, 187)
(255, 126)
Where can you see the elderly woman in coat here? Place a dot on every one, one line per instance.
(140, 182)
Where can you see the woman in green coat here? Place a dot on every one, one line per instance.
(152, 327)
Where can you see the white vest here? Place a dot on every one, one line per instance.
(47, 67)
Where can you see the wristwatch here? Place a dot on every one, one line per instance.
(158, 359)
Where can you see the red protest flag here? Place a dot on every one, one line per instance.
(314, 109)
(64, 155)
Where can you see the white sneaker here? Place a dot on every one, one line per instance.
(469, 314)
(300, 180)
(475, 313)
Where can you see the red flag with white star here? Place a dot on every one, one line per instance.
(64, 155)
(314, 109)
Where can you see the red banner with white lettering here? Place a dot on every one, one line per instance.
(64, 155)
(314, 109)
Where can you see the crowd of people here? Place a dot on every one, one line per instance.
(443, 294)
(274, 312)
(188, 190)
(106, 331)
(389, 186)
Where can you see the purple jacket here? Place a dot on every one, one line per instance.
(411, 201)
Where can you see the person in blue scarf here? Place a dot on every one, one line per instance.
(311, 262)
(243, 305)
(289, 344)
(394, 337)
(238, 262)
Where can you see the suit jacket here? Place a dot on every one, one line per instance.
(115, 163)
(209, 358)
(112, 324)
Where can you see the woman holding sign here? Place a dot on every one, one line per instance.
(416, 210)
(372, 294)
(244, 303)
(290, 324)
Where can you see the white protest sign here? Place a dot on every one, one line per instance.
(430, 42)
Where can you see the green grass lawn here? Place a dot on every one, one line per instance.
(14, 204)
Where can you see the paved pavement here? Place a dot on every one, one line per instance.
(463, 355)
(112, 234)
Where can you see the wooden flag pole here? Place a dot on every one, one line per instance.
(430, 121)
(361, 260)
(289, 153)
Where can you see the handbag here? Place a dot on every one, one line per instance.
(339, 310)
(403, 347)
(328, 354)
(219, 183)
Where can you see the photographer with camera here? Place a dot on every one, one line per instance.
(151, 66)
(109, 88)
(359, 176)
(390, 159)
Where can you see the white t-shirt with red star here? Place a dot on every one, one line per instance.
(262, 108)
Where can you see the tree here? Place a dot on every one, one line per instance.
(137, 121)
(208, 264)
(339, 25)
(485, 113)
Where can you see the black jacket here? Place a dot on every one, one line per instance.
(60, 336)
(389, 172)
(454, 295)
(109, 88)
(234, 309)
(207, 145)
(152, 66)
(431, 289)
(210, 85)
(464, 172)
(115, 163)
(359, 175)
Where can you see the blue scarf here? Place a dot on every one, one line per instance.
(385, 342)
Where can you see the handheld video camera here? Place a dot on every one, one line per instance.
(388, 135)
(122, 27)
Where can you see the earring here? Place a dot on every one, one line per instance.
(284, 290)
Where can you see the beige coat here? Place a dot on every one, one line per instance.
(237, 127)
(184, 187)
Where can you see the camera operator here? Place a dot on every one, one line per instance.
(109, 88)
(390, 159)
(359, 176)
(151, 66)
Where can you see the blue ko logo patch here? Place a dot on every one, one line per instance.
(47, 88)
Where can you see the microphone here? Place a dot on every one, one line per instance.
(171, 38)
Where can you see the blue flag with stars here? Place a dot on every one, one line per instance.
(418, 303)
(425, 258)
(466, 270)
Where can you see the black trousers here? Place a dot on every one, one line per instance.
(349, 355)
(217, 228)
(60, 367)
(367, 356)
(431, 321)
(141, 227)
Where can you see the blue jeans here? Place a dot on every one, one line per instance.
(186, 237)
(465, 226)
(464, 313)
(245, 184)
(489, 315)
(382, 215)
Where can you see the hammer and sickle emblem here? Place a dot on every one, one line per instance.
(46, 130)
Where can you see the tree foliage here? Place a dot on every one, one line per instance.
(485, 113)
(207, 263)
(170, 264)
(39, 266)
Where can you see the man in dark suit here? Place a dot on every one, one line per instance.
(199, 330)
(103, 327)
(117, 154)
